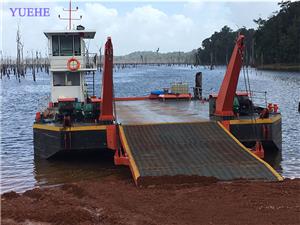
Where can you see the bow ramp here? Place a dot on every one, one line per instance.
(201, 149)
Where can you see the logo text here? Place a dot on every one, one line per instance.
(30, 12)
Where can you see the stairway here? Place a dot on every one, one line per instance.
(89, 80)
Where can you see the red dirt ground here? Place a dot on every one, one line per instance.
(119, 201)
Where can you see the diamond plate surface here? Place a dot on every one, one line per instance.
(202, 149)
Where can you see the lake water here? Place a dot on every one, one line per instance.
(20, 101)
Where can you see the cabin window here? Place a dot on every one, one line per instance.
(55, 45)
(59, 79)
(73, 79)
(66, 45)
(66, 79)
(77, 47)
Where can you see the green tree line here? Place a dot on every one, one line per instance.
(276, 40)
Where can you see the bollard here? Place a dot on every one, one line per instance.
(198, 86)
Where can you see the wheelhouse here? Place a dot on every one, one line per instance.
(69, 61)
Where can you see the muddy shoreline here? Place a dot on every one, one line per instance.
(115, 200)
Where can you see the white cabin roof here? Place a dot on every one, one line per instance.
(87, 34)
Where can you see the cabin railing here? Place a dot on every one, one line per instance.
(90, 60)
(87, 61)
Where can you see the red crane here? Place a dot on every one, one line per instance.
(224, 102)
(106, 111)
(225, 98)
(107, 107)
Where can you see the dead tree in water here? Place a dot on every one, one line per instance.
(37, 61)
(32, 66)
(46, 64)
(1, 65)
(18, 67)
(17, 70)
(211, 61)
(22, 61)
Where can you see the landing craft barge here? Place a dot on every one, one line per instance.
(157, 135)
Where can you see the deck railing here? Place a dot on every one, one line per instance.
(259, 98)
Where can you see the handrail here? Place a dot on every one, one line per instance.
(82, 54)
(87, 60)
(262, 95)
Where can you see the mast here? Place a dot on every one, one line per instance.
(70, 14)
(70, 10)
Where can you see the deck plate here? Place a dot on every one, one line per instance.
(154, 111)
(200, 148)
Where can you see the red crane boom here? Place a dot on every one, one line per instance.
(106, 112)
(224, 102)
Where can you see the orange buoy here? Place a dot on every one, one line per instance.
(38, 117)
(258, 150)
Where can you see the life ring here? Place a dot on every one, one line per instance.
(73, 64)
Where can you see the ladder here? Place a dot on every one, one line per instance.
(89, 81)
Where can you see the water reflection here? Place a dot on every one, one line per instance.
(76, 166)
(274, 158)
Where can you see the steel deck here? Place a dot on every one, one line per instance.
(198, 148)
(154, 111)
(174, 111)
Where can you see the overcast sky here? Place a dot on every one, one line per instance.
(133, 26)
